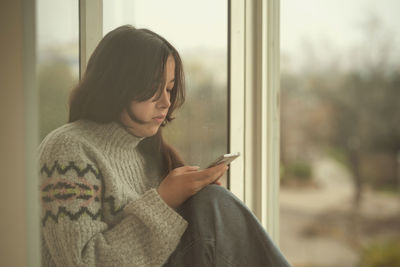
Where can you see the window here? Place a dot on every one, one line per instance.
(243, 118)
(340, 133)
(199, 31)
(57, 60)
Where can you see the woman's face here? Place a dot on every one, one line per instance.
(153, 111)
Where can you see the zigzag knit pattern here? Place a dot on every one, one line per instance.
(64, 169)
(113, 209)
(73, 216)
(64, 191)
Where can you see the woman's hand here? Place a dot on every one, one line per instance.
(182, 183)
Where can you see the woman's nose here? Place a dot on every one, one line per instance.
(164, 101)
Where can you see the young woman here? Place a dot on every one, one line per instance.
(115, 194)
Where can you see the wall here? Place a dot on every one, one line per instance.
(17, 138)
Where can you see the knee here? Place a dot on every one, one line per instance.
(210, 208)
(212, 195)
(203, 208)
(212, 190)
(212, 199)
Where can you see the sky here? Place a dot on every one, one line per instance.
(339, 21)
(186, 23)
(192, 23)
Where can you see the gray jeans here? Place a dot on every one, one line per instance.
(222, 231)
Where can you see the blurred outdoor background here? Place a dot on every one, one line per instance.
(200, 130)
(340, 112)
(340, 133)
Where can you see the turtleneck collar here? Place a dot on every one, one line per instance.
(111, 135)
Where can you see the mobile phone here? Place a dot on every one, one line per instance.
(227, 159)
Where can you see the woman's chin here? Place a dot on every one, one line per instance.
(151, 132)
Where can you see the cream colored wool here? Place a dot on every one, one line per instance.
(99, 205)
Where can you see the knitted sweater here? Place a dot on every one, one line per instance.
(99, 202)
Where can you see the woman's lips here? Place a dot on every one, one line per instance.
(159, 119)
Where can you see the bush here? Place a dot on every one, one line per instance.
(300, 170)
(386, 254)
(339, 155)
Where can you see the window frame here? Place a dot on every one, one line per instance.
(255, 107)
(31, 135)
(90, 30)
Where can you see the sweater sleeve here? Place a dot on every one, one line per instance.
(72, 226)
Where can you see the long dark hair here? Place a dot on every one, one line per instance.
(128, 64)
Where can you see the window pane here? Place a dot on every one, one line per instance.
(340, 150)
(200, 129)
(57, 59)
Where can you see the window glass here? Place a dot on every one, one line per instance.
(57, 59)
(198, 30)
(340, 149)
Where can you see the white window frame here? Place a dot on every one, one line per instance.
(31, 134)
(90, 29)
(254, 99)
(254, 107)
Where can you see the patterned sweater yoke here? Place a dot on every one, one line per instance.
(100, 206)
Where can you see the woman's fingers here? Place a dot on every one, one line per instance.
(217, 182)
(183, 182)
(210, 175)
(226, 167)
(185, 169)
